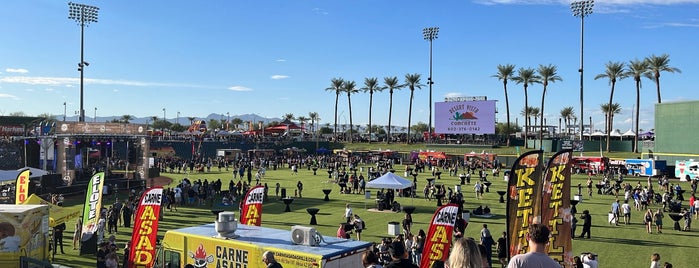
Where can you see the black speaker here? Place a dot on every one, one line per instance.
(50, 181)
(153, 172)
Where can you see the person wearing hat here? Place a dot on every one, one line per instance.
(102, 252)
(268, 259)
(399, 256)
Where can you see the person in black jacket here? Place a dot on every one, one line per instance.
(587, 223)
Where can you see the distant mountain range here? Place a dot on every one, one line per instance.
(183, 120)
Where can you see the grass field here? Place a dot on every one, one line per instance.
(617, 246)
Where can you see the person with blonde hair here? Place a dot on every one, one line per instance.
(465, 254)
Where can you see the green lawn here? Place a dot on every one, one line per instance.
(617, 246)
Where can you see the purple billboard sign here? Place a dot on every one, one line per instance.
(465, 117)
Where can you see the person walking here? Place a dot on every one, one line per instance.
(587, 223)
(626, 210)
(487, 241)
(537, 237)
(648, 220)
(615, 213)
(348, 213)
(658, 217)
(78, 232)
(58, 237)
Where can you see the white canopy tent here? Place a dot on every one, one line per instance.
(11, 175)
(389, 181)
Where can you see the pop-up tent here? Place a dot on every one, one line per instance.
(57, 214)
(11, 175)
(389, 181)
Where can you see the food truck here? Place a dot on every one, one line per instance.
(25, 232)
(645, 167)
(210, 245)
(590, 164)
(687, 170)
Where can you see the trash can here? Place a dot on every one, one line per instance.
(578, 197)
(393, 228)
(283, 192)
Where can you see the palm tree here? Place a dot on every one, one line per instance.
(609, 114)
(412, 81)
(547, 74)
(391, 84)
(126, 118)
(350, 87)
(656, 65)
(526, 77)
(567, 114)
(336, 86)
(637, 68)
(371, 85)
(236, 123)
(302, 119)
(314, 118)
(505, 72)
(614, 71)
(528, 113)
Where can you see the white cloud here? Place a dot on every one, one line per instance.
(115, 90)
(239, 88)
(69, 82)
(19, 70)
(279, 76)
(48, 89)
(281, 60)
(8, 96)
(320, 11)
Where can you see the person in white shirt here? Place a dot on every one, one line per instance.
(589, 261)
(626, 210)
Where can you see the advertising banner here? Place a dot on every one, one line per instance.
(555, 211)
(92, 207)
(465, 117)
(523, 199)
(439, 235)
(22, 187)
(145, 232)
(251, 210)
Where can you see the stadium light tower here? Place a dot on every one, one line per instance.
(83, 15)
(582, 9)
(430, 34)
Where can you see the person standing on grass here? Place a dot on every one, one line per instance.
(587, 223)
(615, 213)
(78, 232)
(658, 217)
(348, 213)
(537, 237)
(648, 220)
(655, 260)
(626, 210)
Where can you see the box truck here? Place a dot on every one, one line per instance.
(646, 167)
(226, 244)
(24, 232)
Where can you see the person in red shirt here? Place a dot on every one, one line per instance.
(341, 231)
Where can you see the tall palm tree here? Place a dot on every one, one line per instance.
(526, 77)
(505, 73)
(336, 86)
(614, 71)
(350, 87)
(391, 83)
(412, 81)
(302, 119)
(371, 85)
(567, 114)
(236, 123)
(609, 114)
(656, 65)
(289, 116)
(637, 68)
(547, 74)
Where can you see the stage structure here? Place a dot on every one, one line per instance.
(83, 148)
(465, 115)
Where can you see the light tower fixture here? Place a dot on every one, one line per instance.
(430, 34)
(83, 15)
(582, 9)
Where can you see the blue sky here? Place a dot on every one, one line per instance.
(276, 57)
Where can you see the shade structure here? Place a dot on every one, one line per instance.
(598, 134)
(11, 175)
(628, 133)
(615, 133)
(57, 214)
(389, 181)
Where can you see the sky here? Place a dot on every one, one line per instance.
(271, 58)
